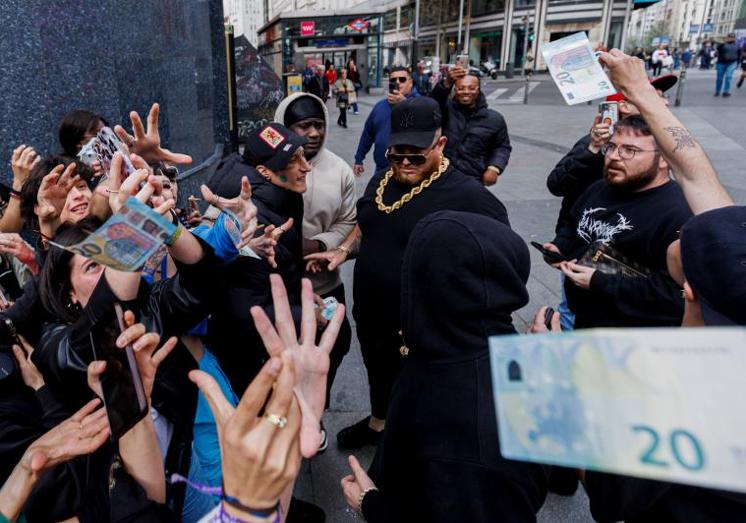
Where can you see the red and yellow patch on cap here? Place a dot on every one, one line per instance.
(271, 137)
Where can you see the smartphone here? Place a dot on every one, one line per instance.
(13, 333)
(463, 60)
(121, 384)
(548, 315)
(549, 255)
(393, 87)
(609, 112)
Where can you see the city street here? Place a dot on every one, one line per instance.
(541, 132)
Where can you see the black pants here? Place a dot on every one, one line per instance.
(380, 347)
(341, 346)
(657, 68)
(342, 120)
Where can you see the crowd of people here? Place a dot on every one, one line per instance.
(727, 56)
(237, 337)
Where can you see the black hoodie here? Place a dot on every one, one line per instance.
(439, 459)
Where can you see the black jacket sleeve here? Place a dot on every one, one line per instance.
(440, 94)
(501, 153)
(576, 171)
(617, 498)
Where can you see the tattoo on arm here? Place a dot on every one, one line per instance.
(683, 138)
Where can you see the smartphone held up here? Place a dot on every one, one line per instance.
(121, 384)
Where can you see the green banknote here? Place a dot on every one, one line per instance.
(663, 404)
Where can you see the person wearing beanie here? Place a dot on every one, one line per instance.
(439, 460)
(329, 213)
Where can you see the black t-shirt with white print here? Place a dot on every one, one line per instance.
(640, 225)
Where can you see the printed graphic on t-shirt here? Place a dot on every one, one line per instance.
(592, 229)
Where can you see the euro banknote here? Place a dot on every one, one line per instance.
(663, 404)
(127, 239)
(575, 69)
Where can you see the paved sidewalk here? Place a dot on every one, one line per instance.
(541, 132)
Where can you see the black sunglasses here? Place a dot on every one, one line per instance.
(414, 159)
(400, 79)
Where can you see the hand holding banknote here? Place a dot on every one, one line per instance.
(627, 73)
(141, 184)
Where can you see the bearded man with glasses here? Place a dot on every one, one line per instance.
(637, 210)
(421, 181)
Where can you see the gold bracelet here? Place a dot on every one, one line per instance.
(362, 497)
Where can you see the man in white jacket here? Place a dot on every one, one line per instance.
(329, 212)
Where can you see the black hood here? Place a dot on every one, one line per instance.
(463, 276)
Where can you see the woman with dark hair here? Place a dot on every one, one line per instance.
(77, 129)
(439, 458)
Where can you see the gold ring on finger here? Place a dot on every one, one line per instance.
(276, 420)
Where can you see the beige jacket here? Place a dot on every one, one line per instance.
(329, 212)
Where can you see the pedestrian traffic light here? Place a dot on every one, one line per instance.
(531, 37)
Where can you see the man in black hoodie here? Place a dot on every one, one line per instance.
(478, 142)
(638, 210)
(421, 181)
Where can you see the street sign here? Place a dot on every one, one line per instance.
(693, 28)
(655, 40)
(358, 24)
(307, 28)
(665, 40)
(708, 28)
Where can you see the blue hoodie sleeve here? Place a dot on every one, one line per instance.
(366, 138)
(219, 239)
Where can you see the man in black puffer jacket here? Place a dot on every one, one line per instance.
(478, 143)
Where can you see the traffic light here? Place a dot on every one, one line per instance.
(531, 37)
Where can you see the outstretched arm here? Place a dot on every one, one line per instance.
(690, 164)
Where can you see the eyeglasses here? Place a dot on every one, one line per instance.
(625, 151)
(400, 79)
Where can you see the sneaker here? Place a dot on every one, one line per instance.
(726, 95)
(301, 511)
(356, 112)
(358, 435)
(324, 440)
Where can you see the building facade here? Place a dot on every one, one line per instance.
(246, 17)
(501, 30)
(294, 41)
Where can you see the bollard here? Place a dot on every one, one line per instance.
(680, 87)
(525, 89)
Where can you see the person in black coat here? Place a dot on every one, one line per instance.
(387, 213)
(478, 142)
(439, 459)
(276, 168)
(318, 84)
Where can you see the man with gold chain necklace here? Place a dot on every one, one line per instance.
(421, 181)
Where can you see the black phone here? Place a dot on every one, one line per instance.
(393, 87)
(121, 384)
(13, 333)
(552, 256)
(548, 315)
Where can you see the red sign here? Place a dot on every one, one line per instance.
(358, 25)
(307, 28)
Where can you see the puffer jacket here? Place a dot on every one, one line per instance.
(477, 137)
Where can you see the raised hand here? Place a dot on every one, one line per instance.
(22, 162)
(264, 245)
(141, 184)
(330, 260)
(148, 144)
(52, 196)
(12, 243)
(627, 73)
(82, 433)
(29, 373)
(311, 360)
(241, 206)
(260, 454)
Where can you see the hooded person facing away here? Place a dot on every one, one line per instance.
(439, 459)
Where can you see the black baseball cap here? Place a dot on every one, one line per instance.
(272, 146)
(414, 122)
(713, 255)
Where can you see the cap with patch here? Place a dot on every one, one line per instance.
(713, 255)
(272, 146)
(662, 83)
(414, 122)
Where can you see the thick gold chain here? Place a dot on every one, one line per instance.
(424, 184)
